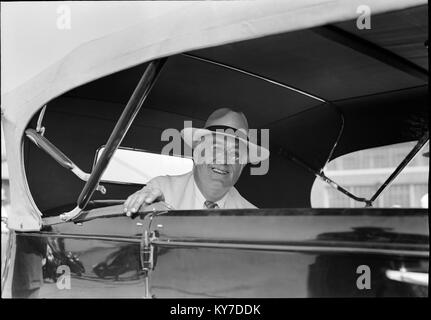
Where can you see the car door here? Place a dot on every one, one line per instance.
(289, 253)
(95, 257)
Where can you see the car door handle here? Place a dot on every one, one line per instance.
(402, 275)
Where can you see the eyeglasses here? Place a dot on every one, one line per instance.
(221, 151)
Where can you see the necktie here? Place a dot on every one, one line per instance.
(211, 205)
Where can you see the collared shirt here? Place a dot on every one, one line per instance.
(182, 193)
(200, 199)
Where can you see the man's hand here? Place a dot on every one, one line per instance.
(146, 195)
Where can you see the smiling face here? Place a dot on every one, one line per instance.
(217, 166)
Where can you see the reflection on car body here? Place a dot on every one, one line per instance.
(118, 263)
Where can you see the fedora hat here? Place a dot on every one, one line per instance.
(227, 122)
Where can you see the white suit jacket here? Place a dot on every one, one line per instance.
(182, 193)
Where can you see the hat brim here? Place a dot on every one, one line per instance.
(256, 153)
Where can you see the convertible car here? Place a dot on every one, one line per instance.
(306, 70)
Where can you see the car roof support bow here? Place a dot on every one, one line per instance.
(123, 124)
(402, 165)
(320, 174)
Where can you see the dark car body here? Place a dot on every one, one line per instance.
(223, 253)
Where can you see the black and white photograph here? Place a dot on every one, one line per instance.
(197, 150)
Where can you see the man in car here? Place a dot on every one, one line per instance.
(220, 152)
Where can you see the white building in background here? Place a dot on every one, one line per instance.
(363, 172)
